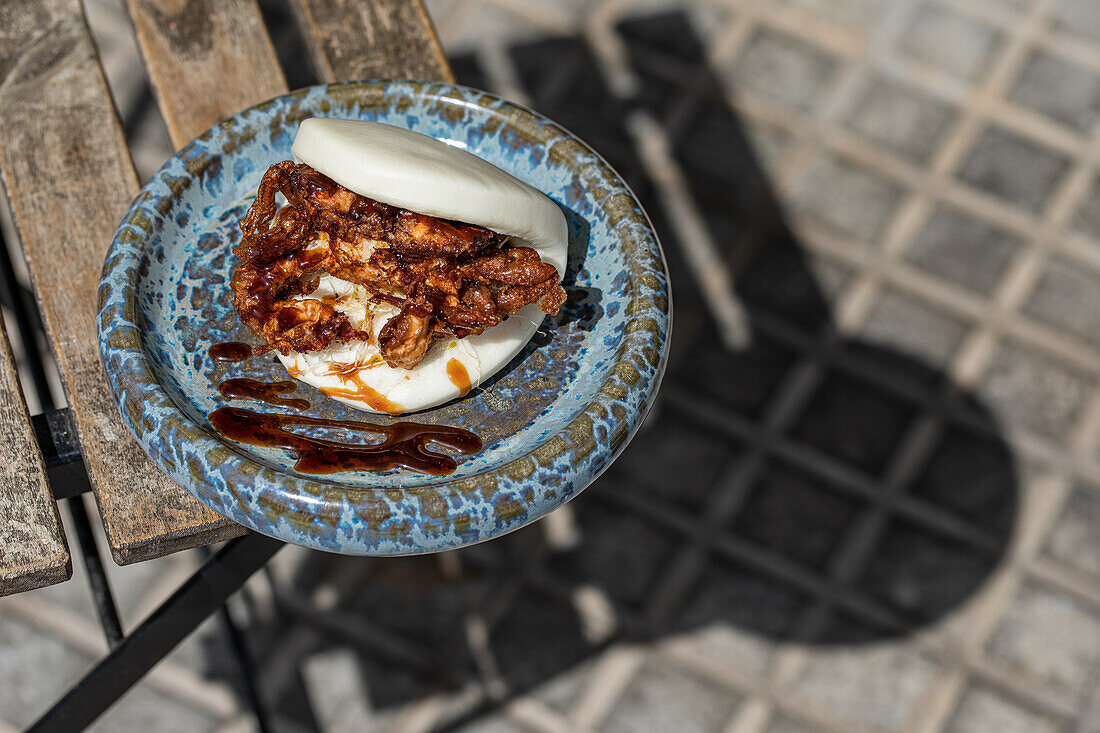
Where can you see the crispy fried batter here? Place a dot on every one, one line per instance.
(449, 279)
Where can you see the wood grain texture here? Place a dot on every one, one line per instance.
(69, 178)
(206, 60)
(351, 39)
(33, 552)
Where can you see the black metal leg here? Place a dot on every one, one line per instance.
(239, 646)
(166, 627)
(248, 676)
(97, 578)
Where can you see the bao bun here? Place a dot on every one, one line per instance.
(416, 172)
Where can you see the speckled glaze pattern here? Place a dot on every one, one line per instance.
(552, 420)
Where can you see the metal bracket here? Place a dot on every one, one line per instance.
(60, 448)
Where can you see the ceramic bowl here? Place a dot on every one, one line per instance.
(552, 420)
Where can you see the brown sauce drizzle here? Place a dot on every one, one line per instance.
(364, 393)
(347, 370)
(458, 375)
(405, 443)
(269, 393)
(230, 351)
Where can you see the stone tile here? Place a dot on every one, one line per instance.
(665, 697)
(784, 68)
(562, 691)
(1032, 390)
(733, 613)
(785, 725)
(728, 645)
(941, 37)
(538, 639)
(854, 422)
(1087, 218)
(561, 77)
(1068, 297)
(1075, 537)
(36, 670)
(706, 20)
(671, 37)
(132, 584)
(142, 709)
(1051, 639)
(831, 277)
(206, 650)
(972, 474)
(338, 693)
(873, 686)
(845, 199)
(769, 143)
(1078, 17)
(957, 247)
(925, 575)
(1061, 90)
(903, 322)
(467, 25)
(862, 14)
(983, 710)
(619, 553)
(409, 597)
(780, 278)
(494, 723)
(677, 459)
(901, 118)
(468, 70)
(1013, 168)
(797, 515)
(744, 380)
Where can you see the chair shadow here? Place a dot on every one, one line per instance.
(878, 506)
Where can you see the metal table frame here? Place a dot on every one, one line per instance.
(203, 594)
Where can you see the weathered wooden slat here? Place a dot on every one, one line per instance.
(209, 60)
(206, 60)
(33, 552)
(70, 178)
(350, 39)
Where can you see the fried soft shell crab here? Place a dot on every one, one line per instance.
(373, 302)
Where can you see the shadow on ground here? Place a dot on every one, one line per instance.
(804, 486)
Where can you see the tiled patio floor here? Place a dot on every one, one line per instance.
(869, 497)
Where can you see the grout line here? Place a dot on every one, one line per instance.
(761, 695)
(446, 22)
(751, 717)
(546, 16)
(613, 671)
(500, 73)
(699, 248)
(537, 716)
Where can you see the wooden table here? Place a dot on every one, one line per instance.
(69, 177)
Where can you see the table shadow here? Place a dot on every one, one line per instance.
(877, 507)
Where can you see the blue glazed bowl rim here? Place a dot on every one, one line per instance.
(634, 376)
